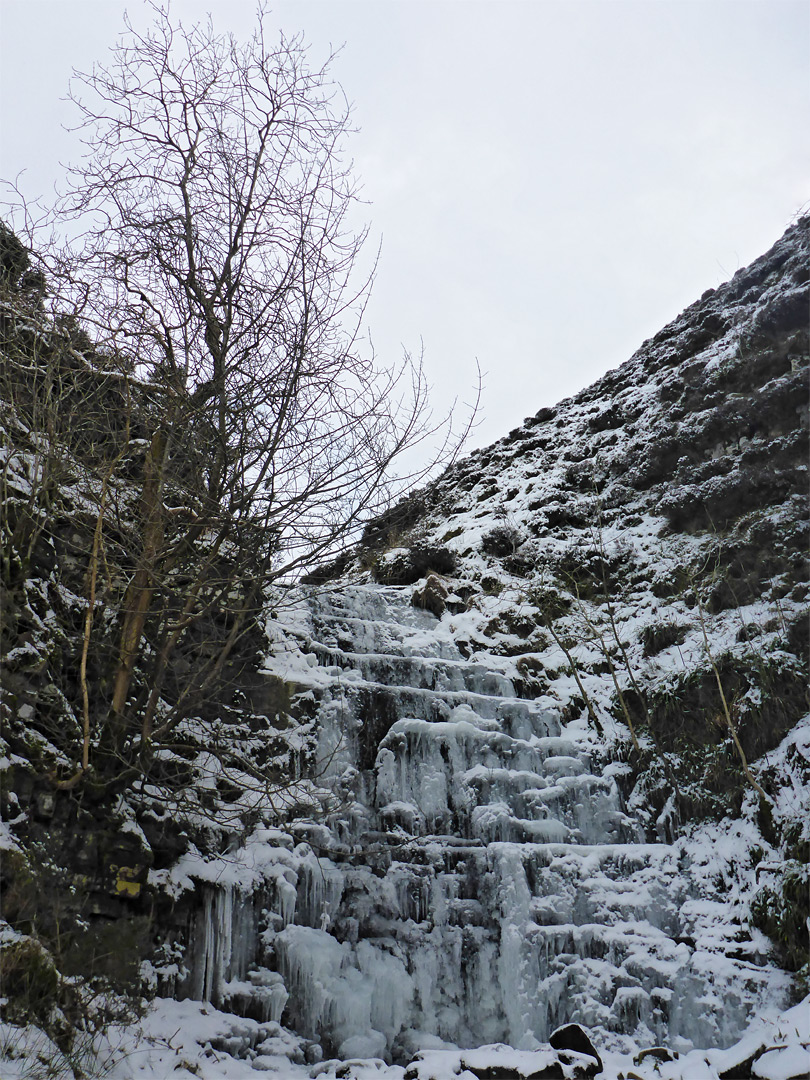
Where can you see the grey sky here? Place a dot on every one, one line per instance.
(553, 180)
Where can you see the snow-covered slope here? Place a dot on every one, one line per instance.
(556, 727)
(559, 702)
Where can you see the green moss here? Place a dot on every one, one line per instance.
(30, 980)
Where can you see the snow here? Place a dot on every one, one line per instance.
(479, 868)
(186, 1039)
(542, 919)
(553, 912)
(627, 899)
(784, 1063)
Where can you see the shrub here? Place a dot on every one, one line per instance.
(782, 911)
(382, 531)
(520, 565)
(501, 540)
(31, 984)
(551, 603)
(655, 637)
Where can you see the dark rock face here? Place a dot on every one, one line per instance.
(432, 596)
(405, 566)
(733, 434)
(705, 431)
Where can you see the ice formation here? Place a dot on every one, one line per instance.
(481, 882)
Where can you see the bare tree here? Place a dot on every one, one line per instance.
(214, 252)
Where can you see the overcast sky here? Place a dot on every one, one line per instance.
(552, 180)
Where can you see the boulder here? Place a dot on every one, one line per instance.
(659, 1053)
(741, 1064)
(432, 596)
(575, 1038)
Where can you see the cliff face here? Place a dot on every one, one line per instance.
(550, 742)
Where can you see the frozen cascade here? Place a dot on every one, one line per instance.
(223, 966)
(481, 880)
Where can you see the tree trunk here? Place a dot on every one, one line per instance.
(138, 598)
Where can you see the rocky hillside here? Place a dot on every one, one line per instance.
(539, 748)
(653, 527)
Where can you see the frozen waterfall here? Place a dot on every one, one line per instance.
(480, 881)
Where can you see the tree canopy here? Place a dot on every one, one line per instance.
(245, 428)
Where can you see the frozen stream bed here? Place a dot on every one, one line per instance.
(476, 880)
